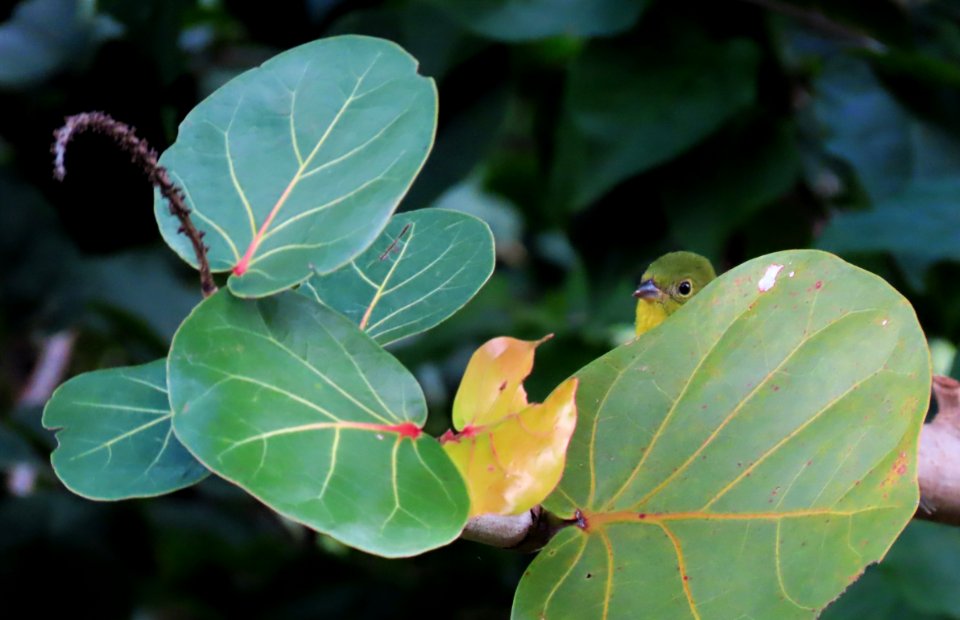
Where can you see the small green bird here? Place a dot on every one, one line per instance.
(668, 283)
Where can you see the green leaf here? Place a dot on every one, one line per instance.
(525, 20)
(115, 437)
(423, 268)
(747, 458)
(886, 145)
(497, 212)
(628, 109)
(292, 402)
(922, 221)
(296, 166)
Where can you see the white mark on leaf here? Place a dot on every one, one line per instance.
(769, 278)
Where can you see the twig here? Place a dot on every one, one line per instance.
(526, 532)
(939, 462)
(146, 158)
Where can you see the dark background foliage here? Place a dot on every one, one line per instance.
(592, 135)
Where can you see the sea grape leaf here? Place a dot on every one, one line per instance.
(423, 268)
(511, 453)
(747, 458)
(295, 167)
(628, 108)
(492, 384)
(115, 437)
(293, 403)
(526, 20)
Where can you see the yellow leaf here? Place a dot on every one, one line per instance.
(510, 453)
(492, 385)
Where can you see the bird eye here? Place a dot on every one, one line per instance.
(685, 288)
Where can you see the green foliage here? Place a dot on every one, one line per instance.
(730, 190)
(32, 51)
(885, 144)
(424, 267)
(918, 579)
(285, 397)
(293, 403)
(115, 436)
(629, 108)
(523, 20)
(732, 129)
(920, 221)
(750, 456)
(907, 167)
(296, 166)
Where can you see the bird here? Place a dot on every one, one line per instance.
(668, 283)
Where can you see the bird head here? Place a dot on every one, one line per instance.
(673, 279)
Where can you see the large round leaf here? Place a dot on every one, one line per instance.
(115, 438)
(424, 267)
(291, 401)
(748, 458)
(295, 166)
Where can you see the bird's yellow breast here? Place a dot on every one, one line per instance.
(649, 315)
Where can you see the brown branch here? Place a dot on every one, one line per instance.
(526, 532)
(146, 158)
(939, 459)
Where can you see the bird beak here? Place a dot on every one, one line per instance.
(648, 291)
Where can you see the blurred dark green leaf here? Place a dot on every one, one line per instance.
(919, 578)
(132, 283)
(524, 20)
(436, 40)
(43, 37)
(628, 108)
(711, 194)
(923, 220)
(865, 125)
